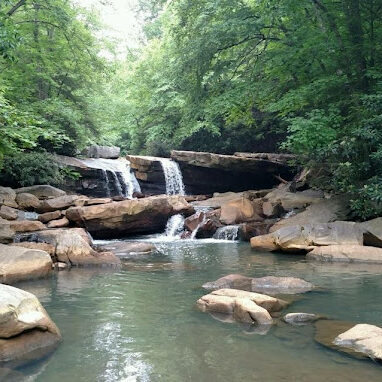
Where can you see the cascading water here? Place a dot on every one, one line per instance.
(229, 232)
(123, 179)
(173, 177)
(174, 226)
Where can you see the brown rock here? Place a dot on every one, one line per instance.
(372, 232)
(271, 209)
(26, 225)
(192, 222)
(116, 219)
(251, 229)
(346, 253)
(48, 216)
(128, 248)
(63, 222)
(280, 285)
(17, 264)
(7, 233)
(264, 243)
(8, 213)
(42, 191)
(241, 210)
(8, 197)
(27, 201)
(234, 281)
(93, 201)
(59, 203)
(246, 310)
(39, 246)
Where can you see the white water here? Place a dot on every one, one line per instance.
(119, 171)
(173, 177)
(174, 226)
(228, 232)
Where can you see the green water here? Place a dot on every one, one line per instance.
(140, 323)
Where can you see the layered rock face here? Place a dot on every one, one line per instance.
(107, 152)
(118, 219)
(26, 330)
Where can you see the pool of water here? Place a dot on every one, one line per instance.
(140, 323)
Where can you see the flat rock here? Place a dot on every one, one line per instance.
(300, 318)
(280, 285)
(26, 225)
(128, 248)
(17, 264)
(59, 223)
(42, 191)
(234, 281)
(26, 330)
(59, 203)
(48, 216)
(347, 254)
(116, 219)
(40, 246)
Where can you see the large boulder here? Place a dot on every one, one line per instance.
(27, 201)
(7, 233)
(307, 237)
(107, 152)
(148, 215)
(42, 191)
(372, 232)
(323, 211)
(48, 216)
(26, 225)
(269, 284)
(8, 197)
(59, 203)
(18, 264)
(26, 330)
(251, 229)
(346, 254)
(8, 213)
(241, 210)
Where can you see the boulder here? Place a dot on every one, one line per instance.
(347, 254)
(8, 213)
(26, 225)
(272, 209)
(116, 219)
(26, 330)
(251, 229)
(271, 304)
(280, 285)
(27, 201)
(234, 281)
(42, 191)
(246, 310)
(107, 152)
(8, 197)
(362, 338)
(306, 237)
(372, 232)
(300, 318)
(193, 221)
(128, 248)
(59, 203)
(208, 227)
(323, 211)
(268, 284)
(59, 223)
(219, 199)
(40, 246)
(7, 233)
(48, 216)
(241, 210)
(18, 264)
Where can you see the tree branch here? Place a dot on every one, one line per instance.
(16, 7)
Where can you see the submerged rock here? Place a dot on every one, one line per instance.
(128, 248)
(268, 284)
(18, 264)
(300, 318)
(347, 254)
(148, 215)
(26, 330)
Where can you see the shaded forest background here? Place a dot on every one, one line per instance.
(299, 76)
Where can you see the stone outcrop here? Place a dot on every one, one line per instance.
(42, 191)
(107, 152)
(269, 284)
(26, 330)
(243, 306)
(323, 211)
(307, 237)
(18, 264)
(347, 254)
(148, 215)
(73, 246)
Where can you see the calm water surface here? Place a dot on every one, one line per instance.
(140, 323)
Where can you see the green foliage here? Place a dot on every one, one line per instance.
(28, 169)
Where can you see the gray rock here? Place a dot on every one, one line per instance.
(280, 285)
(107, 152)
(42, 191)
(300, 318)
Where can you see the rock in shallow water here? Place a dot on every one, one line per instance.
(26, 330)
(128, 248)
(300, 318)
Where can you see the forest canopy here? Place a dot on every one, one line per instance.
(300, 76)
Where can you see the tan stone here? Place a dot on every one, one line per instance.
(264, 243)
(63, 222)
(8, 197)
(8, 213)
(246, 310)
(48, 216)
(241, 210)
(346, 253)
(372, 232)
(27, 201)
(7, 233)
(234, 281)
(17, 264)
(42, 191)
(26, 225)
(59, 203)
(40, 246)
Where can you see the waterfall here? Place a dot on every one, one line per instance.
(174, 226)
(173, 177)
(228, 232)
(122, 177)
